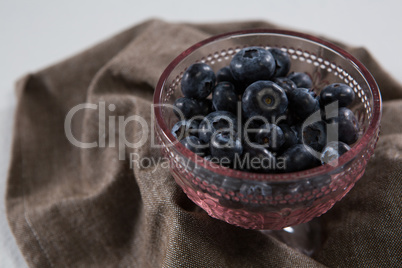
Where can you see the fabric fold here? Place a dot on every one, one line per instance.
(101, 206)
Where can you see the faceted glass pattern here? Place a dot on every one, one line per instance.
(270, 201)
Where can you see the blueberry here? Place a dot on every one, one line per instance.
(264, 98)
(255, 122)
(314, 135)
(348, 126)
(205, 107)
(252, 126)
(282, 62)
(257, 159)
(224, 97)
(289, 117)
(333, 150)
(303, 103)
(274, 105)
(340, 92)
(290, 134)
(298, 158)
(301, 79)
(252, 64)
(285, 83)
(185, 128)
(225, 75)
(215, 121)
(186, 107)
(225, 145)
(198, 81)
(270, 136)
(194, 144)
(298, 131)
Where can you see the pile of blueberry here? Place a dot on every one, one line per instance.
(254, 115)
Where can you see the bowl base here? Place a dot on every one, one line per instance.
(305, 237)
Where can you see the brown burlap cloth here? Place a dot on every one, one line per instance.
(74, 207)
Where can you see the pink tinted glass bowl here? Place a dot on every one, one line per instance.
(270, 201)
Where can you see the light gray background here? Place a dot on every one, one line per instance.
(35, 34)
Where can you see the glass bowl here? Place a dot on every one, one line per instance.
(269, 201)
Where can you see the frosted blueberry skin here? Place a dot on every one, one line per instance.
(264, 98)
(185, 128)
(194, 144)
(215, 121)
(198, 81)
(340, 92)
(282, 62)
(225, 145)
(188, 107)
(224, 97)
(270, 136)
(333, 150)
(315, 135)
(252, 64)
(301, 79)
(348, 125)
(303, 103)
(298, 158)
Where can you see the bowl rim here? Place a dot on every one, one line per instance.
(321, 170)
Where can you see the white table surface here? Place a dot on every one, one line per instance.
(35, 34)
